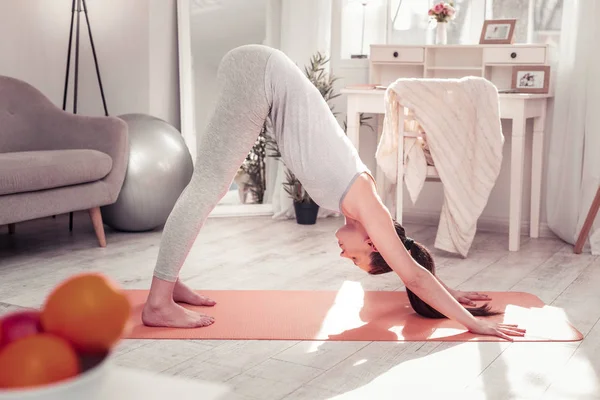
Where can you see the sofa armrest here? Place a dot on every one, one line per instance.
(62, 130)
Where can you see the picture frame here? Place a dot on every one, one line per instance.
(498, 31)
(530, 79)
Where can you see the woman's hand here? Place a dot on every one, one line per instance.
(468, 297)
(505, 331)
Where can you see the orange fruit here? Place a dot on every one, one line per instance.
(35, 360)
(89, 310)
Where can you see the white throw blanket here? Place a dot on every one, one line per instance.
(461, 119)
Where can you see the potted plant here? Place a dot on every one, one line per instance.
(304, 206)
(251, 176)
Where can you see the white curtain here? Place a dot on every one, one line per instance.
(574, 154)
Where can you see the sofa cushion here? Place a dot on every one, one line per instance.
(28, 171)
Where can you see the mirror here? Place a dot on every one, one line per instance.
(208, 29)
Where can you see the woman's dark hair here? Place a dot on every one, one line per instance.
(422, 256)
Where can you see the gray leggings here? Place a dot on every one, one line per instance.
(242, 107)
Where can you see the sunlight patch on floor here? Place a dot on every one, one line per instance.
(580, 382)
(340, 316)
(525, 369)
(359, 362)
(434, 375)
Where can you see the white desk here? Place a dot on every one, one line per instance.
(516, 107)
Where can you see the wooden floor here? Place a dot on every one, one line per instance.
(260, 253)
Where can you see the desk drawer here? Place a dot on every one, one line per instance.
(398, 54)
(514, 55)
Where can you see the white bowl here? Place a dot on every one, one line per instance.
(83, 386)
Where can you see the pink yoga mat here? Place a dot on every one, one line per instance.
(349, 315)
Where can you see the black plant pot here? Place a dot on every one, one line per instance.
(306, 213)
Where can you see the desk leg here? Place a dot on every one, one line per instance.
(517, 158)
(537, 157)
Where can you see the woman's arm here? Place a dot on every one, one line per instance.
(363, 204)
(464, 297)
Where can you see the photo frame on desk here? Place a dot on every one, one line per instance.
(498, 31)
(530, 79)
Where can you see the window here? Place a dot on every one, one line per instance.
(407, 22)
(362, 23)
(466, 26)
(538, 20)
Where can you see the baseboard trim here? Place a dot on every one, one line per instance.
(242, 210)
(485, 224)
(428, 218)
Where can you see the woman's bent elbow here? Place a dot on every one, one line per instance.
(414, 281)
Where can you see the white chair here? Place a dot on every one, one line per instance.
(408, 127)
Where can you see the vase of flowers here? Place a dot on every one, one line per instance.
(442, 13)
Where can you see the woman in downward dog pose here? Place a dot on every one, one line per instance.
(256, 83)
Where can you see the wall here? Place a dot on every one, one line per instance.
(134, 41)
(163, 61)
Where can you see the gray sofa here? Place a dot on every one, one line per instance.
(54, 162)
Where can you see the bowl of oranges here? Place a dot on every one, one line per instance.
(61, 350)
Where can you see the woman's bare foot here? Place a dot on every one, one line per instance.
(173, 315)
(161, 310)
(183, 294)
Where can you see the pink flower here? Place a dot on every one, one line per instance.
(430, 11)
(438, 8)
(450, 11)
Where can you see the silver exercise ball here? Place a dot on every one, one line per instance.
(160, 167)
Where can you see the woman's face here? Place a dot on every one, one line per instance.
(355, 244)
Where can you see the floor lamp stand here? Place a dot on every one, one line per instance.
(362, 41)
(77, 7)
